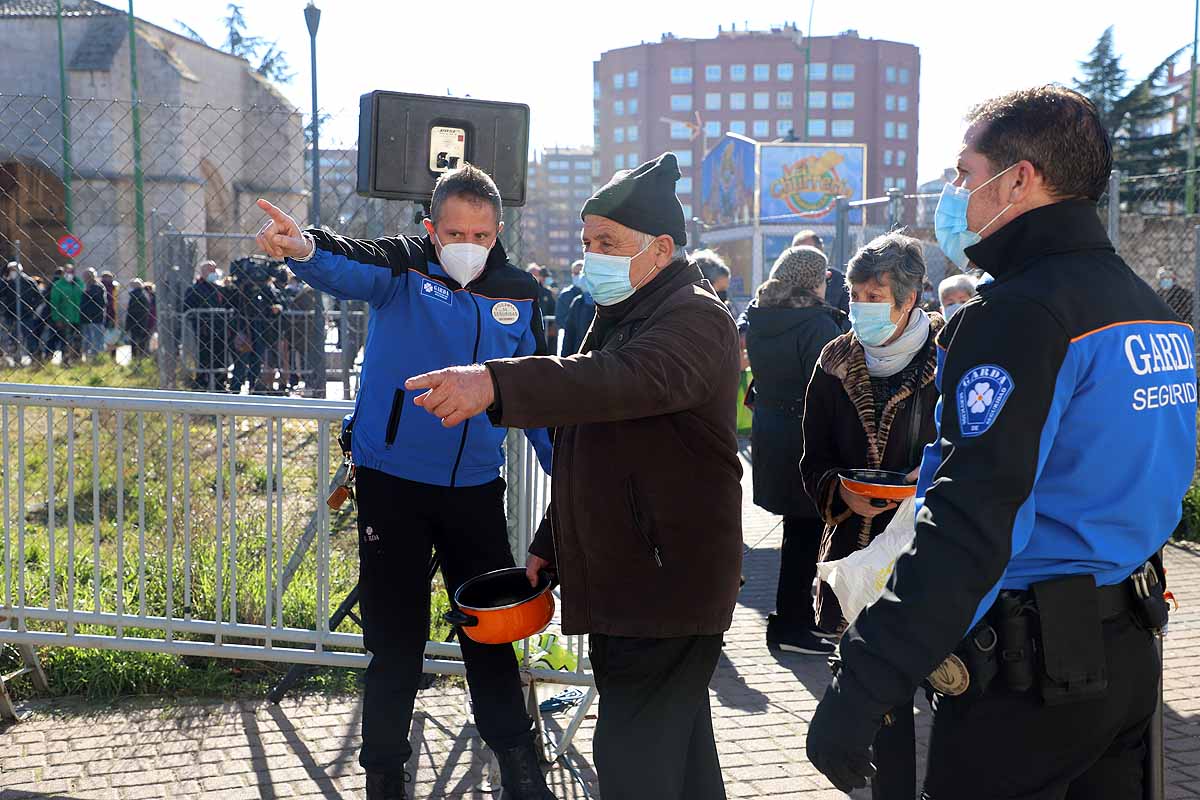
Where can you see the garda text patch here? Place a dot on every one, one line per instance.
(981, 396)
(432, 290)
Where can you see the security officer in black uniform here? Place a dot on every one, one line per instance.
(1067, 441)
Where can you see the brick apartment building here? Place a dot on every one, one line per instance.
(863, 91)
(560, 181)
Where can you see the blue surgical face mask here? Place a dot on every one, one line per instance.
(872, 322)
(950, 220)
(606, 277)
(950, 310)
(577, 281)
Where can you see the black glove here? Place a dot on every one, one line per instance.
(841, 733)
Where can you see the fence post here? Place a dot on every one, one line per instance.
(1114, 208)
(316, 348)
(841, 233)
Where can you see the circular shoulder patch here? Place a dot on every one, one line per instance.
(951, 676)
(505, 313)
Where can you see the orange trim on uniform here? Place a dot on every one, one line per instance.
(1130, 322)
(439, 282)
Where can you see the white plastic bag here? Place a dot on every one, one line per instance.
(860, 578)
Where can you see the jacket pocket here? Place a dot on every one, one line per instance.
(393, 422)
(642, 524)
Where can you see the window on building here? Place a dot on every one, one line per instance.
(633, 105)
(902, 103)
(901, 183)
(560, 179)
(889, 75)
(783, 100)
(737, 72)
(712, 129)
(595, 90)
(816, 127)
(681, 102)
(712, 73)
(737, 100)
(843, 100)
(785, 72)
(843, 127)
(632, 159)
(818, 72)
(887, 158)
(762, 128)
(582, 165)
(683, 185)
(762, 100)
(889, 130)
(889, 102)
(684, 157)
(737, 126)
(680, 131)
(631, 79)
(901, 158)
(902, 130)
(687, 211)
(817, 99)
(595, 168)
(595, 117)
(889, 183)
(618, 108)
(560, 164)
(619, 80)
(762, 72)
(843, 72)
(904, 76)
(681, 74)
(631, 133)
(619, 135)
(783, 127)
(712, 101)
(619, 161)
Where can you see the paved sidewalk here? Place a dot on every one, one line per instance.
(307, 747)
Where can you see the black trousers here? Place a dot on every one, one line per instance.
(399, 522)
(654, 735)
(797, 571)
(1008, 746)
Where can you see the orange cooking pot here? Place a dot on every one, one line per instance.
(879, 486)
(501, 607)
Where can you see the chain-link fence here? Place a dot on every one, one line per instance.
(132, 199)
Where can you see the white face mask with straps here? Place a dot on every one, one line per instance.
(462, 261)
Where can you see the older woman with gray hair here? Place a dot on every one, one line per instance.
(870, 405)
(786, 329)
(954, 292)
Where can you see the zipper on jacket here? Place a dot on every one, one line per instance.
(641, 528)
(393, 422)
(462, 444)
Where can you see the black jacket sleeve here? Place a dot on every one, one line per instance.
(968, 529)
(820, 463)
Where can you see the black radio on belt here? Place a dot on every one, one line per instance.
(1149, 604)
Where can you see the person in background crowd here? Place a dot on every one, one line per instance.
(579, 320)
(836, 294)
(715, 271)
(545, 295)
(563, 304)
(786, 329)
(645, 523)
(1066, 443)
(954, 292)
(138, 318)
(204, 305)
(152, 297)
(871, 405)
(300, 298)
(91, 315)
(1178, 297)
(21, 297)
(929, 297)
(45, 337)
(66, 295)
(112, 330)
(257, 307)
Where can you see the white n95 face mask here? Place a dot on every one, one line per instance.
(463, 261)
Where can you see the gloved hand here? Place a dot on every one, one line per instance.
(841, 733)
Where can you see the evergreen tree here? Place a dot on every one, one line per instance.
(272, 65)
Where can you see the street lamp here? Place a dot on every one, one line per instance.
(312, 16)
(316, 339)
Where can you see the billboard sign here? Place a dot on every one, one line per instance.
(727, 182)
(803, 182)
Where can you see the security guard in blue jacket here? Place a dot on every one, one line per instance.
(446, 299)
(1067, 440)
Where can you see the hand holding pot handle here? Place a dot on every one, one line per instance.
(534, 566)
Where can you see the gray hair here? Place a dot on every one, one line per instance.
(957, 283)
(469, 182)
(644, 240)
(896, 256)
(711, 264)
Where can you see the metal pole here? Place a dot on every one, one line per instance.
(1114, 208)
(1191, 147)
(312, 16)
(841, 233)
(139, 189)
(64, 111)
(807, 61)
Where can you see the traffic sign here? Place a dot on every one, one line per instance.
(69, 246)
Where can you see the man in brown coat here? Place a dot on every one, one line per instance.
(645, 524)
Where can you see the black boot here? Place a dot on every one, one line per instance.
(388, 785)
(520, 773)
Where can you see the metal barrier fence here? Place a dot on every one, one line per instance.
(216, 541)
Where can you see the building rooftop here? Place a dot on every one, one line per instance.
(49, 8)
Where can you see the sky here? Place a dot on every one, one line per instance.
(541, 53)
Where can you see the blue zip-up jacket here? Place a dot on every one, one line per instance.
(1067, 440)
(422, 320)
